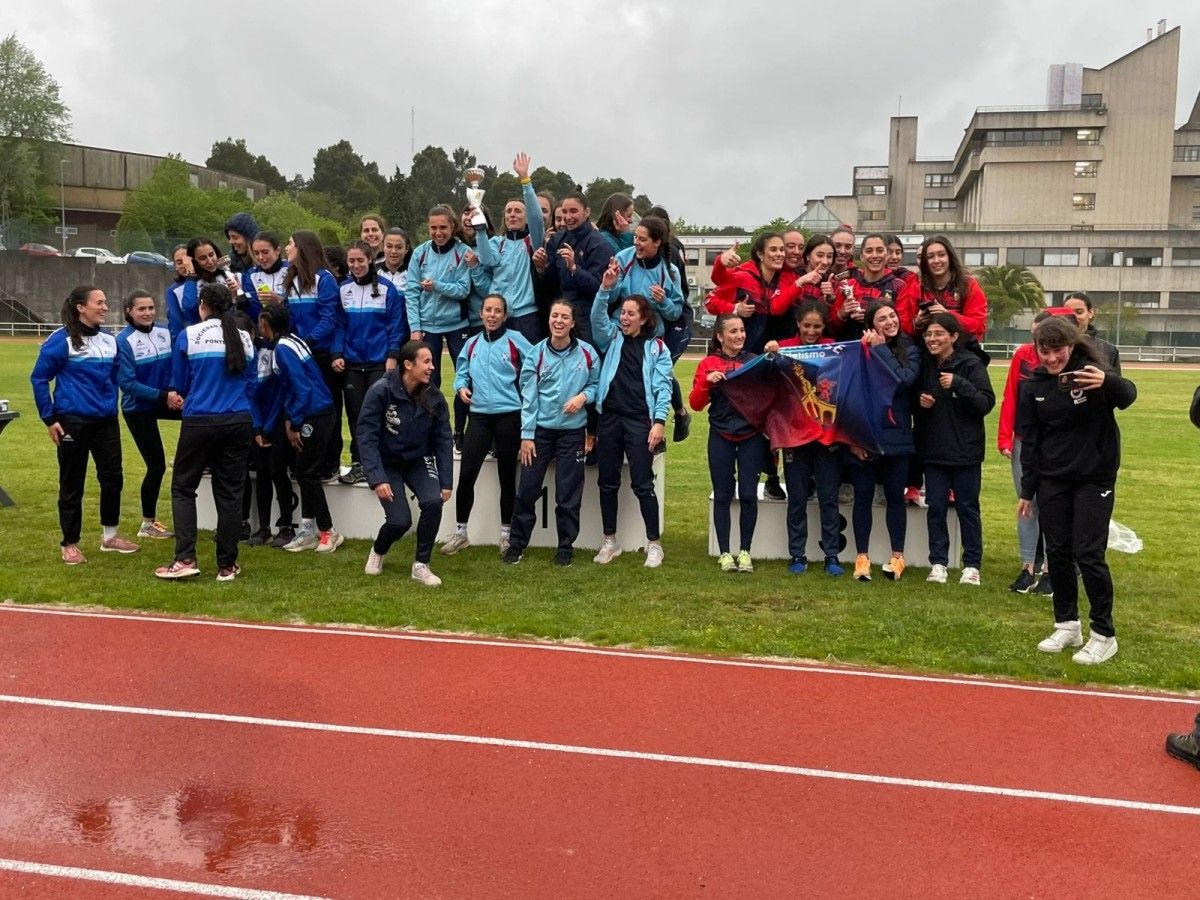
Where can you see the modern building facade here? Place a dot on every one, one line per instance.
(1095, 190)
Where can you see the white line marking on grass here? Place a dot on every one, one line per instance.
(573, 749)
(126, 879)
(657, 656)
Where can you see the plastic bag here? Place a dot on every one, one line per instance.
(1122, 538)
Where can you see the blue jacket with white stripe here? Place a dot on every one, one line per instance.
(144, 367)
(316, 312)
(198, 374)
(374, 323)
(85, 380)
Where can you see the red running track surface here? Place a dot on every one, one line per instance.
(380, 815)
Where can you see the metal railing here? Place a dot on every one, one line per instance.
(27, 329)
(1099, 109)
(1129, 352)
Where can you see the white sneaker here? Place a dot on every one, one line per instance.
(457, 541)
(609, 550)
(330, 540)
(304, 540)
(505, 540)
(374, 564)
(1098, 649)
(1066, 634)
(654, 555)
(937, 574)
(421, 573)
(970, 575)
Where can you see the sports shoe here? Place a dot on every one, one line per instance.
(286, 535)
(654, 555)
(329, 541)
(1023, 583)
(912, 496)
(798, 566)
(356, 475)
(260, 538)
(181, 568)
(374, 564)
(421, 573)
(894, 567)
(727, 562)
(937, 574)
(244, 532)
(970, 575)
(510, 555)
(332, 478)
(73, 556)
(683, 427)
(564, 557)
(457, 541)
(458, 445)
(1065, 634)
(1098, 649)
(156, 530)
(862, 567)
(773, 490)
(118, 544)
(609, 550)
(1186, 746)
(833, 568)
(845, 494)
(744, 562)
(1044, 588)
(505, 540)
(304, 540)
(228, 573)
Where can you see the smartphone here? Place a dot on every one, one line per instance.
(1069, 381)
(926, 306)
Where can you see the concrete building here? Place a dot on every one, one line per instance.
(94, 185)
(1095, 190)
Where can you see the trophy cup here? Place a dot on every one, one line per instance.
(473, 176)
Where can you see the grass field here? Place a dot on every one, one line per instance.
(686, 604)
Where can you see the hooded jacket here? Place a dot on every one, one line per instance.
(442, 309)
(637, 277)
(656, 362)
(745, 285)
(950, 433)
(971, 310)
(490, 365)
(551, 377)
(396, 428)
(1070, 435)
(896, 438)
(592, 253)
(722, 417)
(301, 384)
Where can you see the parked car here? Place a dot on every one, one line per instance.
(100, 255)
(148, 258)
(39, 250)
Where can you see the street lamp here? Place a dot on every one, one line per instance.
(62, 200)
(1119, 259)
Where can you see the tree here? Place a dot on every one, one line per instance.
(285, 216)
(33, 119)
(335, 170)
(778, 225)
(557, 183)
(1010, 289)
(1131, 330)
(168, 210)
(600, 189)
(233, 157)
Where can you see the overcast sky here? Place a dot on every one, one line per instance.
(726, 113)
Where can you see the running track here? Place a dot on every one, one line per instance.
(144, 756)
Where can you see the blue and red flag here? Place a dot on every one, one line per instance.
(829, 393)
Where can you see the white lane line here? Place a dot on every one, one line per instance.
(126, 879)
(799, 668)
(710, 762)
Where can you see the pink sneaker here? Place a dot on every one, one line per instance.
(181, 568)
(73, 556)
(118, 544)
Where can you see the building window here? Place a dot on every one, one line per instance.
(1091, 101)
(194, 179)
(711, 256)
(1058, 256)
(872, 190)
(692, 255)
(980, 256)
(1140, 299)
(1196, 213)
(1088, 135)
(940, 205)
(1083, 201)
(937, 181)
(1024, 256)
(873, 215)
(1087, 169)
(1029, 137)
(1185, 256)
(1187, 154)
(1184, 300)
(1130, 257)
(1196, 184)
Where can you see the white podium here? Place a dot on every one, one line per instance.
(771, 540)
(357, 514)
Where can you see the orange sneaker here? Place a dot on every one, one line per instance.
(862, 567)
(894, 567)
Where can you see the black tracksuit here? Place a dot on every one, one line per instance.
(1070, 453)
(950, 442)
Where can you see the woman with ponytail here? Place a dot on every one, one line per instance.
(374, 327)
(81, 417)
(211, 370)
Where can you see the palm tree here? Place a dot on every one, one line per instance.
(1010, 290)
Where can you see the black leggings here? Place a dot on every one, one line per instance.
(484, 429)
(101, 439)
(143, 428)
(273, 481)
(746, 457)
(359, 377)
